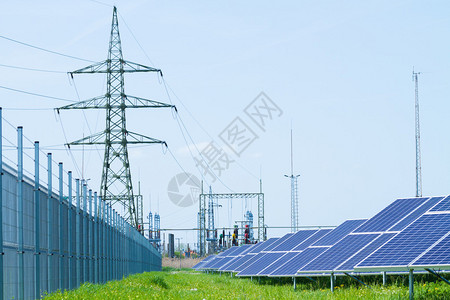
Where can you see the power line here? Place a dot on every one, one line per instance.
(45, 50)
(31, 69)
(35, 94)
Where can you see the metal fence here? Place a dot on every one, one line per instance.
(57, 237)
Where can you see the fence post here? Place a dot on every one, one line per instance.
(90, 261)
(100, 240)
(95, 239)
(114, 246)
(37, 223)
(61, 229)
(117, 247)
(1, 205)
(50, 223)
(110, 242)
(69, 228)
(85, 233)
(20, 211)
(78, 233)
(105, 248)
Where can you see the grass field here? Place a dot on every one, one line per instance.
(187, 284)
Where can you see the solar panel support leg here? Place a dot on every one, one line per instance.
(384, 278)
(438, 276)
(332, 282)
(357, 279)
(411, 284)
(295, 284)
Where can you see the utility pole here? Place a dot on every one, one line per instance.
(116, 184)
(418, 156)
(294, 194)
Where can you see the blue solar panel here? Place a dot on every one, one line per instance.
(214, 263)
(354, 260)
(222, 262)
(338, 253)
(280, 241)
(415, 214)
(238, 254)
(410, 243)
(263, 245)
(391, 215)
(294, 240)
(225, 259)
(239, 263)
(444, 205)
(204, 261)
(247, 263)
(205, 264)
(315, 237)
(236, 262)
(339, 232)
(285, 258)
(260, 264)
(439, 255)
(291, 267)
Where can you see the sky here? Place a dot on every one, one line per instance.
(339, 73)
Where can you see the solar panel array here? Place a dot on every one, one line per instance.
(409, 233)
(422, 244)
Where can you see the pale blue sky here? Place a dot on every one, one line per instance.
(339, 70)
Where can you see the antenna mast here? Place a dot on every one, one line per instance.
(294, 194)
(418, 158)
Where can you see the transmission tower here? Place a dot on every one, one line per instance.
(116, 138)
(294, 194)
(418, 158)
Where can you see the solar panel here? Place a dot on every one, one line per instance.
(312, 239)
(247, 263)
(225, 259)
(339, 232)
(294, 240)
(204, 261)
(444, 205)
(237, 261)
(263, 245)
(220, 255)
(277, 243)
(291, 267)
(269, 269)
(410, 243)
(391, 215)
(265, 260)
(438, 256)
(416, 214)
(337, 254)
(248, 258)
(215, 263)
(237, 254)
(208, 262)
(350, 263)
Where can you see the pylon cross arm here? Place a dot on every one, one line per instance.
(105, 67)
(136, 138)
(101, 102)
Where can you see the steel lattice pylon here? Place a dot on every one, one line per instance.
(115, 137)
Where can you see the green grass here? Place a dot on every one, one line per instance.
(187, 284)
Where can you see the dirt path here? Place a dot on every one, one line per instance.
(185, 262)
